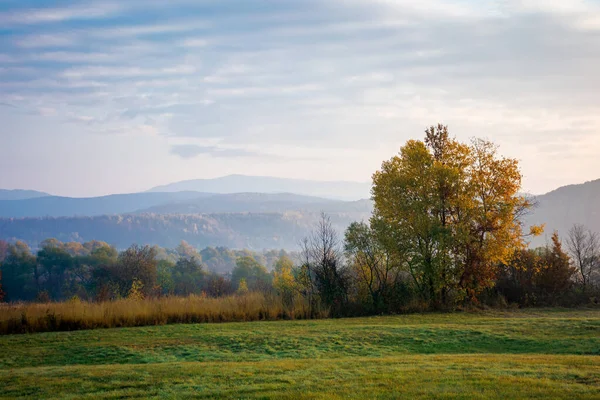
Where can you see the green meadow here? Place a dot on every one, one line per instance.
(540, 354)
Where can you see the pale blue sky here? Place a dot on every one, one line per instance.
(102, 97)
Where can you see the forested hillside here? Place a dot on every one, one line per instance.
(235, 230)
(254, 220)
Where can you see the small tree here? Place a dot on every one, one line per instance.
(3, 250)
(3, 253)
(327, 275)
(376, 270)
(164, 277)
(255, 275)
(135, 263)
(1, 291)
(138, 263)
(584, 246)
(188, 275)
(518, 276)
(556, 270)
(55, 265)
(185, 250)
(217, 285)
(242, 287)
(20, 273)
(136, 290)
(283, 279)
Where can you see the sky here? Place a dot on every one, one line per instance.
(102, 97)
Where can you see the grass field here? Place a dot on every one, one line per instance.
(522, 354)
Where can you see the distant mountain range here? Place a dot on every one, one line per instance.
(55, 206)
(252, 219)
(174, 203)
(19, 194)
(259, 203)
(262, 184)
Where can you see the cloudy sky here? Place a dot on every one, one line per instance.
(104, 97)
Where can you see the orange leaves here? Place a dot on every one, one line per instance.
(537, 230)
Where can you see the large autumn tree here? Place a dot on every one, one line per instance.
(452, 210)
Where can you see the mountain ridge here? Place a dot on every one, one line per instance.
(21, 194)
(237, 183)
(565, 206)
(258, 220)
(58, 206)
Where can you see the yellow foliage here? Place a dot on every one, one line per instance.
(283, 280)
(243, 287)
(537, 230)
(135, 292)
(453, 209)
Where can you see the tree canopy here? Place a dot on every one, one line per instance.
(452, 212)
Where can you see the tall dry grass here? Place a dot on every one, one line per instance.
(75, 314)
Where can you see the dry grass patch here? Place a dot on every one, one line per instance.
(76, 315)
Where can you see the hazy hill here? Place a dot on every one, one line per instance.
(19, 194)
(565, 206)
(55, 206)
(240, 220)
(174, 203)
(262, 184)
(252, 220)
(259, 203)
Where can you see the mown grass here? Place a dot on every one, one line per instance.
(518, 354)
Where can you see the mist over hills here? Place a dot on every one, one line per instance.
(560, 209)
(260, 203)
(264, 184)
(174, 203)
(56, 206)
(238, 220)
(255, 231)
(20, 194)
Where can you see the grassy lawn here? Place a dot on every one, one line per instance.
(522, 354)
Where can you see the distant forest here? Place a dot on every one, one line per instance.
(255, 231)
(97, 271)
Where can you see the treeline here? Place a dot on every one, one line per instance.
(96, 271)
(447, 231)
(331, 276)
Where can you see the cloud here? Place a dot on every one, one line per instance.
(47, 15)
(148, 29)
(126, 72)
(74, 57)
(188, 151)
(350, 78)
(47, 40)
(194, 42)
